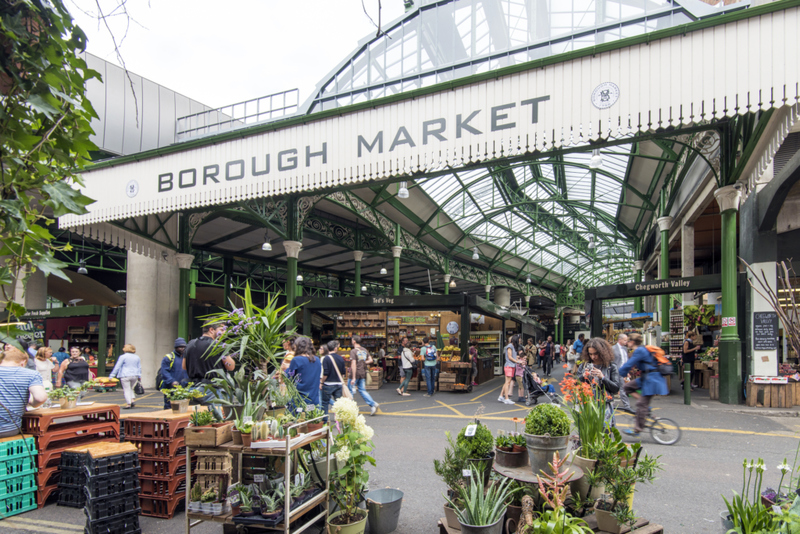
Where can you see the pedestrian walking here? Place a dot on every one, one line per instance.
(360, 358)
(171, 372)
(128, 371)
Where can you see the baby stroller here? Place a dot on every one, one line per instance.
(535, 390)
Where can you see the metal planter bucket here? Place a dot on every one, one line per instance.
(496, 528)
(541, 449)
(383, 510)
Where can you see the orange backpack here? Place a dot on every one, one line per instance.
(663, 365)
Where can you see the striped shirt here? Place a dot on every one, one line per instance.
(14, 385)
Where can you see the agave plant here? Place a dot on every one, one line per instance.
(482, 508)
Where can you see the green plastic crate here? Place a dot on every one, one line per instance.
(17, 485)
(17, 448)
(17, 504)
(16, 467)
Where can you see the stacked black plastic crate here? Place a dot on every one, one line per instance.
(111, 489)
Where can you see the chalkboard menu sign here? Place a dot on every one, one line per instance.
(765, 331)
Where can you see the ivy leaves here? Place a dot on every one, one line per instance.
(44, 138)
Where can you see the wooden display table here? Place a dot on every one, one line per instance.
(770, 395)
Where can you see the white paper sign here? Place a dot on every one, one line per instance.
(471, 430)
(258, 478)
(247, 419)
(466, 472)
(299, 478)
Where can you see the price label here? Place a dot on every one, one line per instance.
(471, 430)
(466, 472)
(258, 478)
(299, 410)
(247, 419)
(776, 509)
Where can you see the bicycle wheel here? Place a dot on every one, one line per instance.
(665, 431)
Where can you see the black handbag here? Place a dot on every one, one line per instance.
(138, 388)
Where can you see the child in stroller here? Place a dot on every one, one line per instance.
(535, 388)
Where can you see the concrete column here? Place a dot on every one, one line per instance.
(687, 258)
(730, 372)
(36, 291)
(151, 318)
(292, 254)
(446, 284)
(357, 257)
(396, 251)
(502, 296)
(664, 224)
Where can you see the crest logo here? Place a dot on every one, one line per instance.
(605, 95)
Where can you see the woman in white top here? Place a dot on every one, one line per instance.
(510, 368)
(45, 363)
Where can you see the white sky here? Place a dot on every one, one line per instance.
(222, 52)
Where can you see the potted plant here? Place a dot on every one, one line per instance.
(57, 395)
(234, 391)
(482, 511)
(246, 505)
(451, 471)
(271, 506)
(265, 430)
(353, 446)
(245, 429)
(180, 396)
(479, 446)
(746, 512)
(504, 452)
(619, 468)
(314, 412)
(70, 396)
(587, 407)
(195, 495)
(546, 432)
(518, 443)
(207, 499)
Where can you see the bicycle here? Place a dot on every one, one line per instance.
(663, 430)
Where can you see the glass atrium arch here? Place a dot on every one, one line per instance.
(554, 218)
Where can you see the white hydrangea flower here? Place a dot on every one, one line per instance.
(367, 432)
(343, 454)
(346, 410)
(359, 424)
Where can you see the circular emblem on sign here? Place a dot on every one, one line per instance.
(132, 188)
(452, 327)
(605, 95)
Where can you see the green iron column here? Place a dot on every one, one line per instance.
(447, 284)
(396, 251)
(184, 262)
(730, 369)
(292, 254)
(638, 267)
(663, 225)
(358, 256)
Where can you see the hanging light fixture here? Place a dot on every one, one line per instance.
(570, 293)
(363, 289)
(82, 269)
(267, 246)
(299, 277)
(528, 280)
(403, 191)
(597, 160)
(383, 269)
(475, 255)
(452, 284)
(330, 294)
(591, 242)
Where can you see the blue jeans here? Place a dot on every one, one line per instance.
(408, 372)
(361, 384)
(430, 378)
(329, 396)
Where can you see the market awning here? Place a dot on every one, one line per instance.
(91, 292)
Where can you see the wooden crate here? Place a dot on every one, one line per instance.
(796, 386)
(447, 378)
(782, 395)
(759, 395)
(205, 436)
(713, 387)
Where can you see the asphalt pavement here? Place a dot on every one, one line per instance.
(410, 433)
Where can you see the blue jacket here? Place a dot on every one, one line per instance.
(175, 372)
(128, 365)
(651, 381)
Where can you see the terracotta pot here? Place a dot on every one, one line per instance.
(68, 404)
(246, 439)
(314, 426)
(519, 448)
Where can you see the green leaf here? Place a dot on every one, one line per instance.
(15, 309)
(38, 103)
(65, 200)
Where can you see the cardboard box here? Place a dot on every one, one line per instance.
(769, 379)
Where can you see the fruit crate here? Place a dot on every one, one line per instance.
(17, 504)
(17, 485)
(119, 482)
(161, 450)
(136, 430)
(111, 464)
(163, 488)
(17, 448)
(213, 462)
(127, 523)
(161, 507)
(110, 506)
(16, 467)
(163, 469)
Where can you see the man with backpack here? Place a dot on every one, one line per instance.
(171, 372)
(651, 382)
(428, 351)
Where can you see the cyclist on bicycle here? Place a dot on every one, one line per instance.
(650, 382)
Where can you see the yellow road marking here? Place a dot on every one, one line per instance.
(490, 391)
(396, 402)
(414, 410)
(46, 523)
(507, 411)
(13, 523)
(451, 409)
